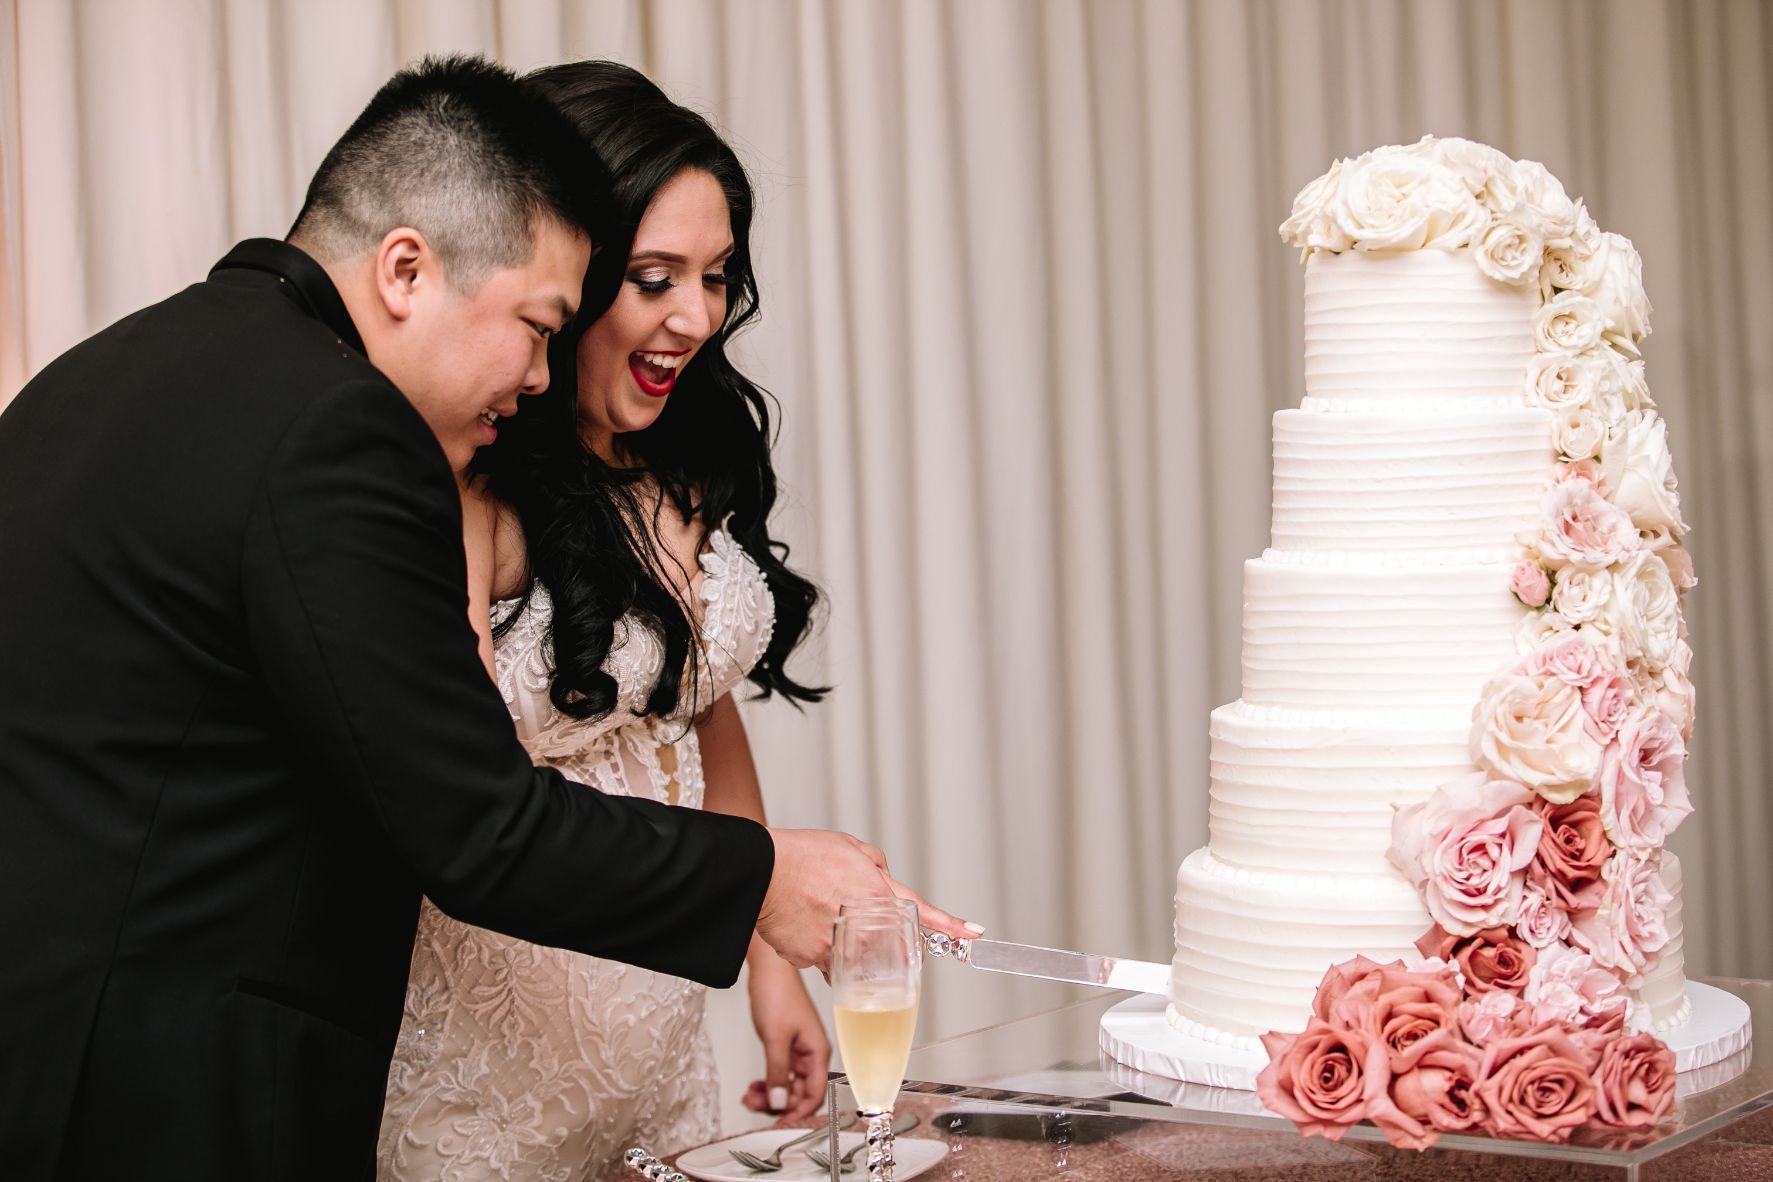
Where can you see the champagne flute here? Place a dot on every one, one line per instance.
(876, 964)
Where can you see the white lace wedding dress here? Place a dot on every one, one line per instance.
(530, 1064)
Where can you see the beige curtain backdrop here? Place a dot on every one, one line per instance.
(1027, 317)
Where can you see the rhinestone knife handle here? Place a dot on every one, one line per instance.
(940, 944)
(645, 1164)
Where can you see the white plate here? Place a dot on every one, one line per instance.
(912, 1155)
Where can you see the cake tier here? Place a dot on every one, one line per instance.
(1664, 988)
(1406, 325)
(1394, 482)
(1313, 791)
(1340, 631)
(1251, 947)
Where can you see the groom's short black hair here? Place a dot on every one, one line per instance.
(457, 149)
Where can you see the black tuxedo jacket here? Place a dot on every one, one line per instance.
(243, 726)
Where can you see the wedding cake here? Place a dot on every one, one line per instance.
(1465, 699)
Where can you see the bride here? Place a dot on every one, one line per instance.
(624, 583)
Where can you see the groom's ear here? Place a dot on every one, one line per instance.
(405, 267)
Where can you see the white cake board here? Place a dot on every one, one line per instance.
(1136, 1034)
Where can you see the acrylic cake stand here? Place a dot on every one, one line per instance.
(1135, 1033)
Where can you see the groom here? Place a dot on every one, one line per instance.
(243, 723)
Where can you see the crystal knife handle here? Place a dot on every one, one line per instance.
(940, 944)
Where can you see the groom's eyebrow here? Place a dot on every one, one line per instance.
(566, 309)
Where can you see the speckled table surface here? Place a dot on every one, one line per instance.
(1113, 1150)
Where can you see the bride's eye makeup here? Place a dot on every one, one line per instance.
(652, 281)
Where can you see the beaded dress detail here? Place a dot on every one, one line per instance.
(517, 1061)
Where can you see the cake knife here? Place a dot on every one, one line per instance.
(1052, 964)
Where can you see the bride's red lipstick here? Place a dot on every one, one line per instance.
(643, 371)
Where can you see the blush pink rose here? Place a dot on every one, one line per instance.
(1567, 986)
(1532, 730)
(1530, 584)
(1487, 1017)
(1319, 1079)
(1569, 656)
(1492, 958)
(1467, 848)
(1643, 781)
(1635, 1082)
(1573, 848)
(1629, 929)
(1680, 567)
(1543, 921)
(1536, 1085)
(1607, 702)
(1438, 1091)
(1577, 524)
(1587, 470)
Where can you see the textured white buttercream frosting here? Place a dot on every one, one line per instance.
(1367, 635)
(1407, 325)
(1369, 629)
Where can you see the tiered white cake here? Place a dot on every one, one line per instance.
(1402, 487)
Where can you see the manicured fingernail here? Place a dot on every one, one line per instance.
(975, 929)
(778, 1098)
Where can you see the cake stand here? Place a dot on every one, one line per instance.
(1136, 1034)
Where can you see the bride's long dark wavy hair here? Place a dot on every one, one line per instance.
(589, 527)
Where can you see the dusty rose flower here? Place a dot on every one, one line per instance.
(1643, 781)
(1536, 1085)
(1530, 584)
(1566, 986)
(1629, 929)
(1573, 848)
(1635, 1082)
(1488, 960)
(1607, 702)
(1543, 921)
(1490, 1016)
(1466, 848)
(1578, 525)
(1532, 730)
(1438, 1090)
(1396, 1005)
(1358, 976)
(1318, 1079)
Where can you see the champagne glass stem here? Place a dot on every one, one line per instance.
(880, 1144)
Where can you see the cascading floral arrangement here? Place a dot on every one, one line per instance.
(1542, 870)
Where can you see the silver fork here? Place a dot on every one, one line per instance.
(847, 1162)
(772, 1163)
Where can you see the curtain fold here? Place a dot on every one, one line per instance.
(1027, 318)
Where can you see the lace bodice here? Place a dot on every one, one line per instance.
(517, 1061)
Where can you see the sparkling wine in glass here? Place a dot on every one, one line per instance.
(875, 984)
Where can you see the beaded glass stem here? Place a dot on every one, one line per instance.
(876, 957)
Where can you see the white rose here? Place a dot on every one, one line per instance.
(1509, 251)
(1544, 194)
(1538, 627)
(1533, 730)
(1486, 173)
(1637, 474)
(1579, 263)
(1569, 322)
(1622, 378)
(1620, 294)
(1396, 199)
(1643, 613)
(1564, 381)
(1580, 593)
(1578, 433)
(1312, 226)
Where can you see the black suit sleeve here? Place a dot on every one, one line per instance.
(354, 584)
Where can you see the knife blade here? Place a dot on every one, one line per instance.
(1055, 964)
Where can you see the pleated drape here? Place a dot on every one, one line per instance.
(1027, 318)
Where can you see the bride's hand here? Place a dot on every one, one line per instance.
(796, 1049)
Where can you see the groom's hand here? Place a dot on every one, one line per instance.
(816, 872)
